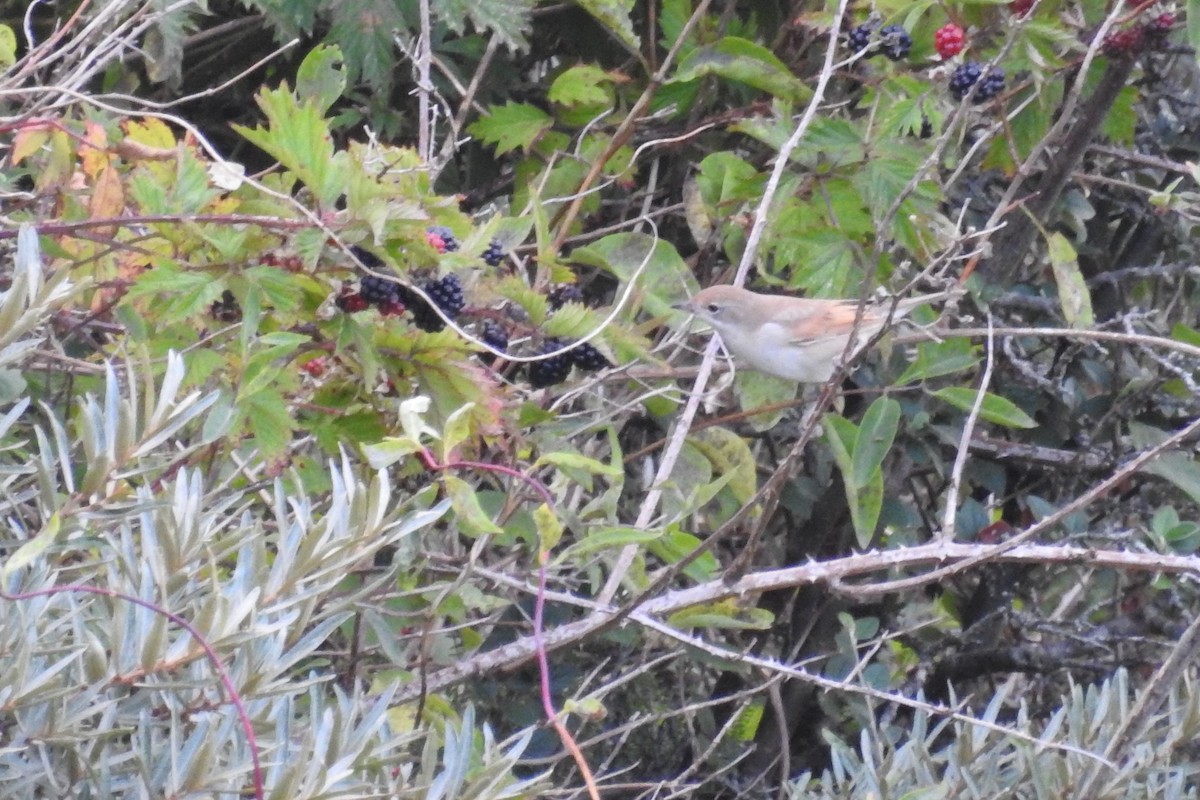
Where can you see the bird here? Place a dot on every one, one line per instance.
(796, 338)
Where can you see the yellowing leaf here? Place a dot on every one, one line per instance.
(1073, 293)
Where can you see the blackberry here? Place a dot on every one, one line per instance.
(494, 335)
(494, 254)
(549, 371)
(445, 234)
(424, 317)
(564, 293)
(949, 40)
(368, 259)
(447, 293)
(993, 84)
(964, 77)
(1123, 43)
(895, 42)
(588, 358)
(378, 291)
(860, 38)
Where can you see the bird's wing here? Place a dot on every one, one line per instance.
(830, 319)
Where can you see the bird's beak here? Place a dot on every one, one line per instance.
(686, 305)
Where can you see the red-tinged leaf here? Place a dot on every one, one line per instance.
(93, 153)
(108, 196)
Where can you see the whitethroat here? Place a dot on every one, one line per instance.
(796, 338)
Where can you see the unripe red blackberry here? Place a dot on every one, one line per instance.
(949, 40)
(1020, 8)
(351, 302)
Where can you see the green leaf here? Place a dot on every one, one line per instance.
(614, 15)
(745, 62)
(608, 539)
(999, 410)
(758, 390)
(865, 501)
(321, 77)
(935, 359)
(583, 85)
(297, 136)
(569, 460)
(265, 415)
(8, 47)
(1073, 293)
(458, 428)
(471, 519)
(511, 126)
(28, 552)
(364, 31)
(662, 275)
(874, 440)
(383, 454)
(730, 456)
(672, 546)
(549, 527)
(727, 614)
(1180, 469)
(509, 20)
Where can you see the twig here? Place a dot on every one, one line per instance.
(960, 459)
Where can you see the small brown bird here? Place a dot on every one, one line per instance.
(796, 338)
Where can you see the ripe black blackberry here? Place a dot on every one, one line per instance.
(860, 38)
(588, 358)
(993, 84)
(378, 291)
(494, 335)
(368, 259)
(549, 371)
(564, 293)
(894, 42)
(494, 254)
(446, 235)
(964, 77)
(447, 293)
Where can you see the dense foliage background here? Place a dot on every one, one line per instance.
(350, 445)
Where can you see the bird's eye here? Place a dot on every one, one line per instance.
(713, 308)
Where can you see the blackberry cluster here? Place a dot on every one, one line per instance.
(1020, 8)
(894, 42)
(860, 38)
(494, 254)
(549, 371)
(966, 75)
(564, 293)
(494, 335)
(588, 358)
(446, 294)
